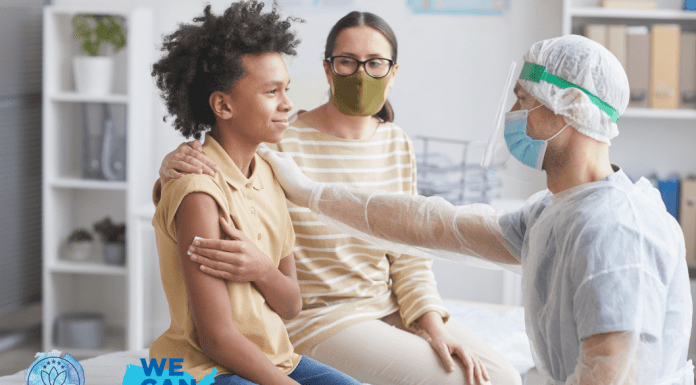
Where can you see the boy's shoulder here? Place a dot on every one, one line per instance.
(174, 192)
(187, 184)
(265, 173)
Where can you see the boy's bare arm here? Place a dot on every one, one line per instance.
(210, 302)
(281, 290)
(239, 260)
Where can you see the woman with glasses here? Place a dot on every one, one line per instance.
(371, 313)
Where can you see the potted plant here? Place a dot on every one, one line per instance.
(78, 246)
(94, 72)
(114, 238)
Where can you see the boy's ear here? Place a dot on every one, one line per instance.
(221, 104)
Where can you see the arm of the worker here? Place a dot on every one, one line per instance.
(197, 215)
(237, 259)
(188, 158)
(431, 223)
(607, 359)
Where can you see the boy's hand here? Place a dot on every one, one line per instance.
(237, 259)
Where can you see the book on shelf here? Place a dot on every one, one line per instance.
(669, 189)
(616, 42)
(632, 4)
(687, 217)
(664, 68)
(597, 32)
(638, 65)
(687, 70)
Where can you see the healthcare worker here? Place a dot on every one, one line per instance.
(605, 283)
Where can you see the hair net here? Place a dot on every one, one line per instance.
(586, 64)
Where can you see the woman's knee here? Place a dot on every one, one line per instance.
(504, 373)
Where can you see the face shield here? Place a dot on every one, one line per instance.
(508, 136)
(497, 153)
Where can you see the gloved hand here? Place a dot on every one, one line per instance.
(297, 186)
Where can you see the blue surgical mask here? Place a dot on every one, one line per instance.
(525, 149)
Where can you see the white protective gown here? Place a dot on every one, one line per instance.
(605, 283)
(598, 258)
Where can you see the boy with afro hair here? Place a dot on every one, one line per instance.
(225, 76)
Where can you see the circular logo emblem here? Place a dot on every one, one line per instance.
(55, 368)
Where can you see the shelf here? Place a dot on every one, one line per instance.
(87, 267)
(87, 98)
(656, 113)
(77, 183)
(71, 201)
(613, 13)
(113, 342)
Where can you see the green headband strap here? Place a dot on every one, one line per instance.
(536, 73)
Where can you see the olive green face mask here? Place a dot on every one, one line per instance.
(359, 94)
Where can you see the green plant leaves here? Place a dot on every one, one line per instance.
(97, 29)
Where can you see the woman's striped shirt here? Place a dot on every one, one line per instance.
(344, 280)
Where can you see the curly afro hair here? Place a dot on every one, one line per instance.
(206, 56)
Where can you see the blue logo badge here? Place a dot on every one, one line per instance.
(55, 368)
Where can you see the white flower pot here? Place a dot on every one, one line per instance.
(93, 74)
(78, 251)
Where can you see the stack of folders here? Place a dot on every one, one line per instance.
(660, 62)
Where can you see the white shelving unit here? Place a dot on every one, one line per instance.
(579, 13)
(71, 202)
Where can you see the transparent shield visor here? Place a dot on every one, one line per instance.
(497, 153)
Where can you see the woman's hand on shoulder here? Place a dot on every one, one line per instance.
(188, 158)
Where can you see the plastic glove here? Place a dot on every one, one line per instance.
(297, 186)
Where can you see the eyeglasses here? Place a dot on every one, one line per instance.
(375, 67)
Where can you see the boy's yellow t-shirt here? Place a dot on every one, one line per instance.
(259, 209)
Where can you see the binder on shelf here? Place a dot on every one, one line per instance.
(597, 32)
(664, 78)
(687, 70)
(690, 5)
(669, 189)
(92, 119)
(616, 42)
(687, 218)
(638, 65)
(638, 4)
